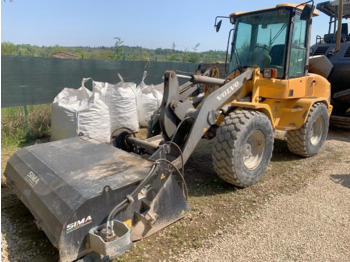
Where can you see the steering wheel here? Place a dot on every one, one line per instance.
(260, 56)
(264, 47)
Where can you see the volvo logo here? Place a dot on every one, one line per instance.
(228, 91)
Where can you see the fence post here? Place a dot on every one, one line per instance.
(27, 126)
(25, 113)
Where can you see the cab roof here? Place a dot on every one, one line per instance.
(330, 8)
(300, 7)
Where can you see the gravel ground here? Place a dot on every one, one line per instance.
(311, 225)
(17, 243)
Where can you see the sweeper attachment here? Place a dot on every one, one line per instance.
(87, 195)
(93, 199)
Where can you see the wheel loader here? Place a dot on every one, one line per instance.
(93, 199)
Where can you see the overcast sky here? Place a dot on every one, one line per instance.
(149, 24)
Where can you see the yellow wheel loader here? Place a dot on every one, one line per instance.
(93, 199)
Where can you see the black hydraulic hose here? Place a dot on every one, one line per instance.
(178, 127)
(182, 157)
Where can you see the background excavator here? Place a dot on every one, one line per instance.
(93, 199)
(335, 45)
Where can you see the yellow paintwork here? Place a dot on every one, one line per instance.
(311, 85)
(128, 223)
(287, 103)
(300, 7)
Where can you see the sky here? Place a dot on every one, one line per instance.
(150, 24)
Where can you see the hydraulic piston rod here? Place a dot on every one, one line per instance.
(199, 79)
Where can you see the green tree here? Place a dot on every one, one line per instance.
(145, 56)
(209, 56)
(118, 48)
(159, 51)
(184, 55)
(172, 55)
(194, 56)
(79, 52)
(8, 48)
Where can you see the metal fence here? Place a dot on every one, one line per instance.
(34, 80)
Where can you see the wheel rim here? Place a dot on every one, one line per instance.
(317, 129)
(253, 149)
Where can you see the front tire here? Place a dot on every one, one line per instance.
(308, 140)
(243, 147)
(153, 127)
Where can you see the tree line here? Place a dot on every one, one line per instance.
(118, 52)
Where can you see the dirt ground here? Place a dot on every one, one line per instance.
(299, 211)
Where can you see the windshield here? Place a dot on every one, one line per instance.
(260, 39)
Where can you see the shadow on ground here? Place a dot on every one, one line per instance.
(339, 134)
(200, 175)
(343, 180)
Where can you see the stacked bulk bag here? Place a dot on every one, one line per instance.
(148, 101)
(160, 88)
(109, 107)
(121, 101)
(76, 111)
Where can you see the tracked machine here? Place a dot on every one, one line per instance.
(93, 199)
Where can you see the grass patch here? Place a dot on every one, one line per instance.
(13, 129)
(13, 125)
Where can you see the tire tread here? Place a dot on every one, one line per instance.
(226, 143)
(297, 139)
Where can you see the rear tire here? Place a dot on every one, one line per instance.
(308, 140)
(243, 147)
(153, 127)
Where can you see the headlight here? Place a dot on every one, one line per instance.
(270, 73)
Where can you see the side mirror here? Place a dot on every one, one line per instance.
(307, 12)
(218, 25)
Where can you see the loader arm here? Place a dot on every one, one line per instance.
(202, 118)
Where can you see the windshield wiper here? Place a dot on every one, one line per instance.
(278, 33)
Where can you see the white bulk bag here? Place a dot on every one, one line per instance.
(121, 101)
(77, 111)
(160, 88)
(94, 119)
(100, 88)
(148, 101)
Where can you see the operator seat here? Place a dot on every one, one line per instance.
(277, 55)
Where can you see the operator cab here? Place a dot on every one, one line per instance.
(275, 39)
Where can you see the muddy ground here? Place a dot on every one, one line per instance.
(214, 204)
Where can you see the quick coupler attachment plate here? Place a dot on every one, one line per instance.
(111, 247)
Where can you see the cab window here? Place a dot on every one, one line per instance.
(298, 49)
